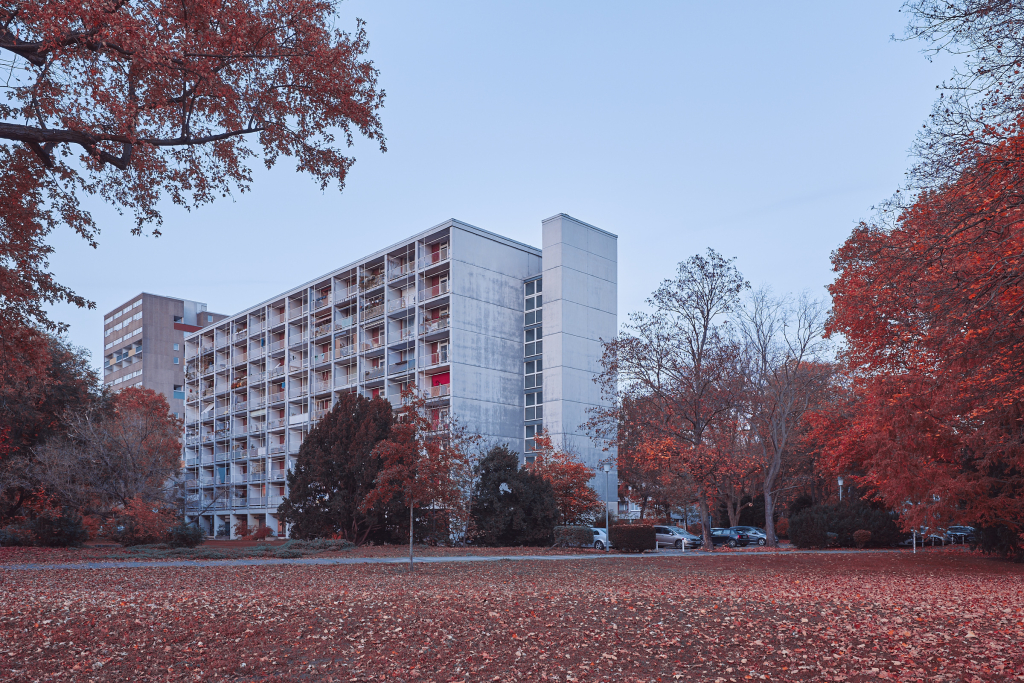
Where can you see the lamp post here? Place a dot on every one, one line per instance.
(607, 529)
(840, 488)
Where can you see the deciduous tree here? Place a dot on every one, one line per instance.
(569, 479)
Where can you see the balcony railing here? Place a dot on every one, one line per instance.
(342, 381)
(440, 255)
(373, 344)
(297, 311)
(296, 392)
(347, 292)
(276, 396)
(345, 323)
(322, 385)
(277, 423)
(276, 448)
(373, 373)
(239, 382)
(407, 365)
(402, 335)
(277, 345)
(257, 351)
(401, 269)
(322, 329)
(435, 359)
(276, 372)
(436, 290)
(373, 311)
(371, 281)
(241, 334)
(400, 303)
(257, 501)
(241, 405)
(258, 401)
(342, 351)
(274, 500)
(435, 325)
(297, 365)
(297, 339)
(277, 475)
(439, 391)
(321, 357)
(322, 301)
(276, 319)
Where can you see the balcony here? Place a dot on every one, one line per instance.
(373, 311)
(400, 303)
(432, 359)
(257, 501)
(322, 357)
(441, 254)
(342, 351)
(276, 372)
(256, 427)
(297, 365)
(239, 382)
(322, 301)
(322, 329)
(241, 405)
(401, 269)
(371, 281)
(276, 448)
(405, 366)
(297, 392)
(277, 423)
(297, 339)
(273, 501)
(373, 373)
(276, 346)
(435, 325)
(276, 318)
(240, 335)
(343, 381)
(276, 396)
(297, 311)
(373, 344)
(239, 358)
(402, 335)
(258, 401)
(440, 391)
(278, 475)
(345, 323)
(435, 291)
(321, 386)
(347, 291)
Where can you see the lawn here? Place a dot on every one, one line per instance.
(738, 617)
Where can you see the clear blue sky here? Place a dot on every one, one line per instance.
(764, 130)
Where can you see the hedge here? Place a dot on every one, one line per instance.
(823, 525)
(632, 538)
(573, 537)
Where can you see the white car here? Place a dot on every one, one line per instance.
(600, 538)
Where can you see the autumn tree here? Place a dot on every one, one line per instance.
(511, 505)
(125, 448)
(138, 103)
(569, 479)
(334, 471)
(424, 463)
(680, 360)
(785, 372)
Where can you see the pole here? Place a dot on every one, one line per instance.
(607, 529)
(840, 494)
(411, 506)
(914, 535)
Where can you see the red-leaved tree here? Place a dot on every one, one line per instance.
(569, 478)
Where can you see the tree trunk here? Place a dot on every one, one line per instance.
(769, 517)
(705, 520)
(411, 508)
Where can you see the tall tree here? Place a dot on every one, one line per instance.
(511, 505)
(424, 463)
(335, 469)
(140, 102)
(680, 361)
(786, 371)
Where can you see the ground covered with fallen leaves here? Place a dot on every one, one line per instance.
(738, 617)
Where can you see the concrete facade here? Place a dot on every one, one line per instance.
(144, 344)
(442, 311)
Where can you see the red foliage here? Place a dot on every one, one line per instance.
(931, 309)
(141, 522)
(570, 480)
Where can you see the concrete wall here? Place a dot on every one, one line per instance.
(487, 333)
(580, 310)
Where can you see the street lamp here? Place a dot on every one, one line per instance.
(840, 488)
(607, 529)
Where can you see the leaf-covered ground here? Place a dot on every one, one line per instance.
(859, 617)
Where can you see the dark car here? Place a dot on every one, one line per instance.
(757, 534)
(960, 534)
(730, 537)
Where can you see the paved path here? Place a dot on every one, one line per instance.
(256, 562)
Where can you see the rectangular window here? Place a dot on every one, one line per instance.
(137, 303)
(534, 374)
(534, 409)
(531, 432)
(175, 347)
(534, 345)
(209, 318)
(177, 360)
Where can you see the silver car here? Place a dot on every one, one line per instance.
(600, 538)
(675, 537)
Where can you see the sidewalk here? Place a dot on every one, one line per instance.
(129, 564)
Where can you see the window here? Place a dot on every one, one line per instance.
(137, 303)
(534, 345)
(108, 320)
(534, 374)
(209, 318)
(534, 409)
(531, 432)
(108, 331)
(175, 347)
(177, 360)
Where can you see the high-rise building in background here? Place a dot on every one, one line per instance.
(503, 335)
(144, 344)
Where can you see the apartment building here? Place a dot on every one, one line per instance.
(144, 344)
(466, 316)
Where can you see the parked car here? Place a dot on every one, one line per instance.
(600, 538)
(730, 537)
(675, 537)
(924, 537)
(960, 534)
(757, 534)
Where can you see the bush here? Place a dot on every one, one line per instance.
(861, 537)
(632, 538)
(223, 531)
(782, 528)
(185, 535)
(319, 544)
(141, 523)
(573, 537)
(262, 533)
(15, 535)
(61, 529)
(810, 527)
